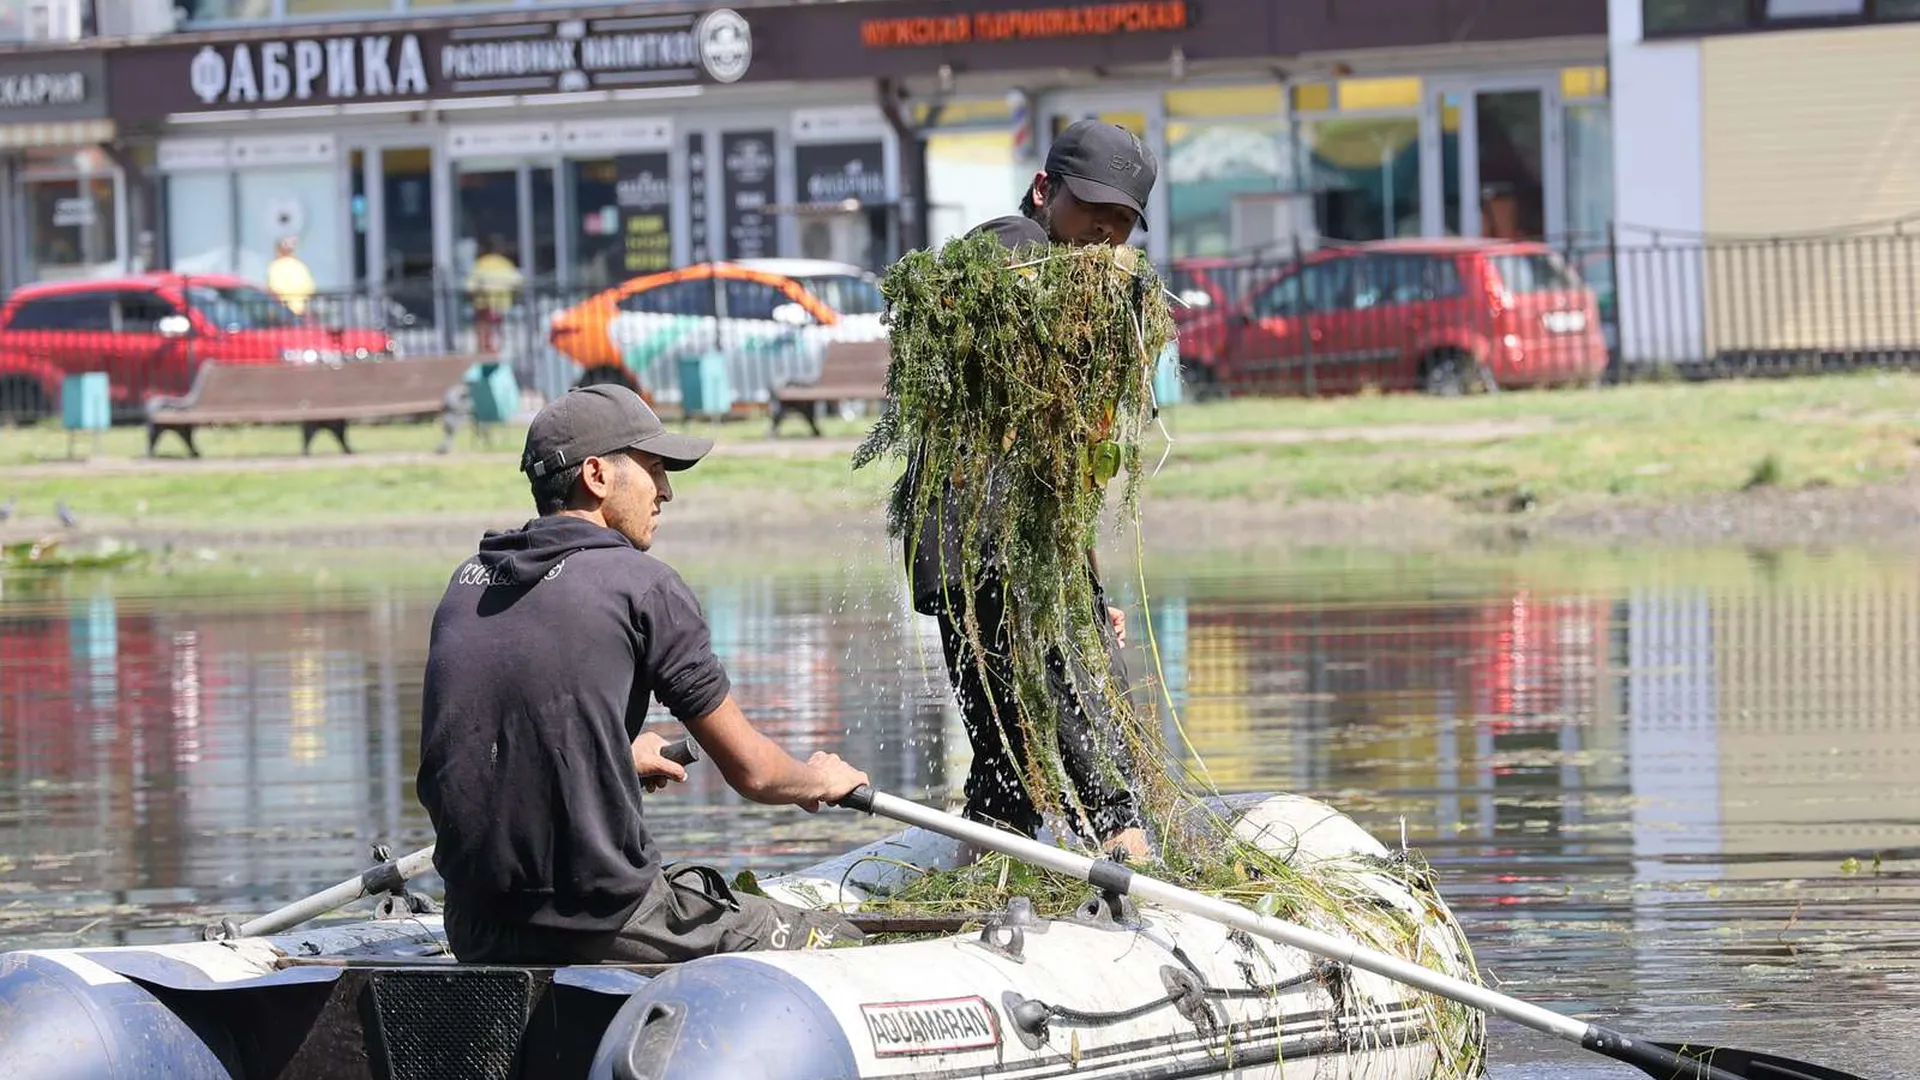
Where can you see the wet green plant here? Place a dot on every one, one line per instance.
(1023, 388)
(1019, 388)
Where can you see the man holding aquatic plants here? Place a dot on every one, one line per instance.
(1092, 190)
(545, 652)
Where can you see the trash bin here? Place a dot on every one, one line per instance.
(1166, 375)
(705, 389)
(494, 391)
(86, 403)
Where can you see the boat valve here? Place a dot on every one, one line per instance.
(1029, 1018)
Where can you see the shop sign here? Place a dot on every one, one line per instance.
(747, 166)
(1027, 24)
(836, 173)
(565, 56)
(42, 87)
(643, 189)
(587, 138)
(73, 213)
(39, 90)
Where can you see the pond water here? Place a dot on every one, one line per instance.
(1675, 794)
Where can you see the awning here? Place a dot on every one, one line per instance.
(56, 133)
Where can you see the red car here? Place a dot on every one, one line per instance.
(1445, 316)
(149, 334)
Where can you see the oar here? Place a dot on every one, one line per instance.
(1665, 1061)
(386, 877)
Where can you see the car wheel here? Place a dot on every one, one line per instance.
(1202, 384)
(1454, 375)
(23, 401)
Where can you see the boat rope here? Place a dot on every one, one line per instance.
(1081, 1018)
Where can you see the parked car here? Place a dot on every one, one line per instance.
(770, 318)
(149, 333)
(1442, 315)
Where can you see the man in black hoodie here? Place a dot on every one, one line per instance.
(545, 653)
(1093, 190)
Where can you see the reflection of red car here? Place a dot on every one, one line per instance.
(149, 333)
(1445, 316)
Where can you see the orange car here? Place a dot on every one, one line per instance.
(770, 318)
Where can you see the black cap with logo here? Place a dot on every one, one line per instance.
(593, 421)
(1104, 163)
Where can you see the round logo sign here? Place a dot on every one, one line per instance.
(726, 44)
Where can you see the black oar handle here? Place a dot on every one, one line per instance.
(682, 752)
(860, 798)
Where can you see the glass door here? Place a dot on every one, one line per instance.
(392, 211)
(1492, 162)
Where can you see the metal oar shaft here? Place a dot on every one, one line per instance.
(383, 878)
(1105, 874)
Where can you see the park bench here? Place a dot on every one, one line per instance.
(318, 397)
(850, 371)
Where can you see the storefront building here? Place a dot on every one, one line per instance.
(593, 145)
(62, 193)
(1767, 175)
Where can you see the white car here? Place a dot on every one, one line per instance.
(768, 320)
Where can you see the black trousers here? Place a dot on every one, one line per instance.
(1091, 743)
(689, 912)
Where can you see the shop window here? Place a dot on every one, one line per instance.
(331, 7)
(1209, 166)
(1313, 97)
(225, 10)
(1693, 16)
(971, 177)
(1815, 9)
(200, 223)
(599, 255)
(1224, 101)
(1135, 122)
(961, 113)
(1365, 175)
(1897, 9)
(847, 295)
(72, 226)
(298, 203)
(1362, 94)
(1584, 82)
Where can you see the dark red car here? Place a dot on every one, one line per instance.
(1441, 315)
(149, 333)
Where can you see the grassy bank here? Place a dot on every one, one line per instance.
(1491, 454)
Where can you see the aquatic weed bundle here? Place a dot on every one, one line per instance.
(1024, 384)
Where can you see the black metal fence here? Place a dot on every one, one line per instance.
(1434, 316)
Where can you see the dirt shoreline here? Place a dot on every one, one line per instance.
(1886, 515)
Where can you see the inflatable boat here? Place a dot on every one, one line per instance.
(1108, 991)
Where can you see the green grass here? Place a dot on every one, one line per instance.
(1650, 442)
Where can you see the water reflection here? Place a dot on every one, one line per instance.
(1682, 794)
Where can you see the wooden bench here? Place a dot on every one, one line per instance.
(850, 371)
(318, 397)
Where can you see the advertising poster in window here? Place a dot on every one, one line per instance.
(746, 161)
(644, 192)
(841, 171)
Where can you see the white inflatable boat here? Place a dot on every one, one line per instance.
(1110, 991)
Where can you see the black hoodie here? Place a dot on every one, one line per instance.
(546, 650)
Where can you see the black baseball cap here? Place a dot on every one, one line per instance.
(592, 421)
(1104, 163)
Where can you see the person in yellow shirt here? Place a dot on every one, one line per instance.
(288, 278)
(491, 285)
